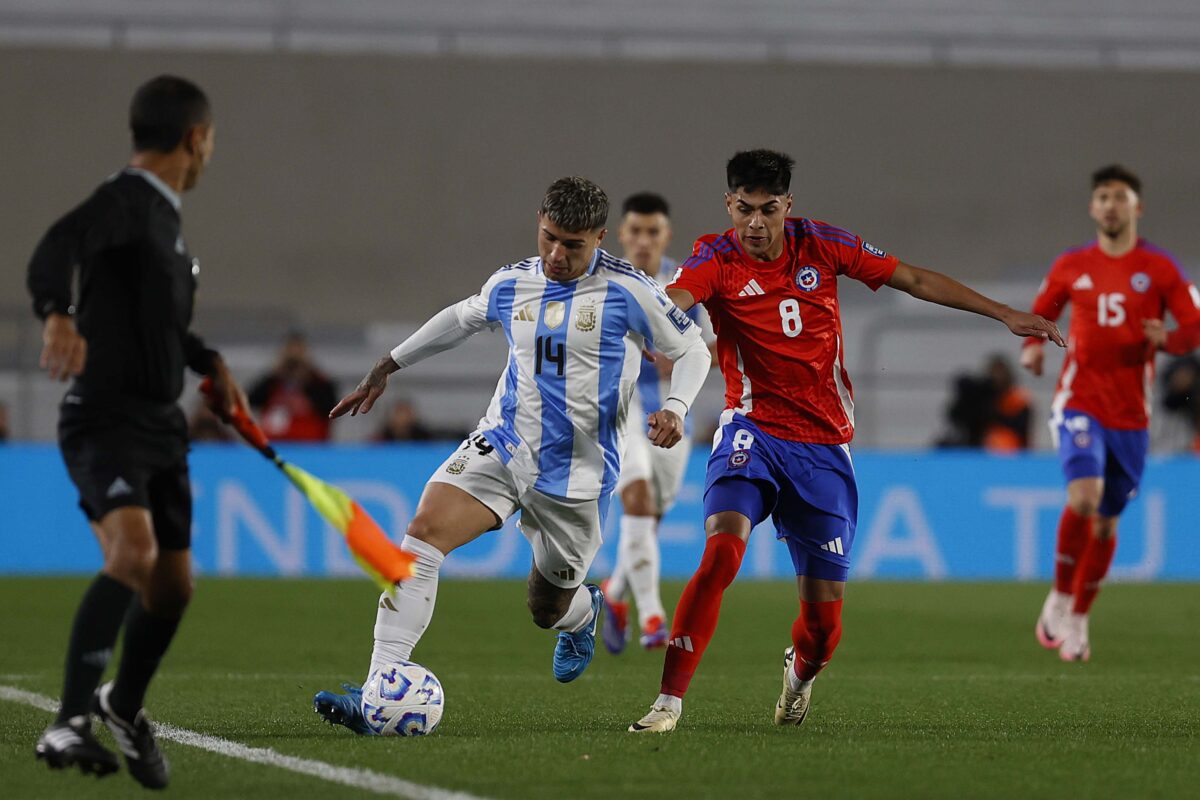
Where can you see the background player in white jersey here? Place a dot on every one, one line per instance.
(550, 442)
(650, 476)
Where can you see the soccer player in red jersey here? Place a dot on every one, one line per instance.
(770, 287)
(1119, 286)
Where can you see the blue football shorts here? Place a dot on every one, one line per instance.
(1087, 449)
(808, 490)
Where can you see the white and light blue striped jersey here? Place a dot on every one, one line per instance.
(557, 416)
(652, 387)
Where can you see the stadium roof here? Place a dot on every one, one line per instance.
(1155, 34)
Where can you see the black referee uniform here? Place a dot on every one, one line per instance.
(122, 433)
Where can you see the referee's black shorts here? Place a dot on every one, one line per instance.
(130, 456)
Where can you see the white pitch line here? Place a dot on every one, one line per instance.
(347, 776)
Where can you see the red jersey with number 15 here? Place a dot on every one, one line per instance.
(1109, 366)
(779, 327)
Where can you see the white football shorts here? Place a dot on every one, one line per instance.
(643, 461)
(565, 534)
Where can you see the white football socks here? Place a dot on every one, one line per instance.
(794, 682)
(618, 584)
(669, 701)
(401, 620)
(579, 615)
(638, 550)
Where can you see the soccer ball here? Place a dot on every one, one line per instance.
(402, 699)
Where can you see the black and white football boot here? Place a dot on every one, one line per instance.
(72, 744)
(145, 760)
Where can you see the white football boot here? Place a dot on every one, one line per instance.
(1075, 645)
(1052, 620)
(792, 707)
(660, 719)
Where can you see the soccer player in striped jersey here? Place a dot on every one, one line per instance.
(551, 440)
(770, 287)
(1119, 287)
(650, 476)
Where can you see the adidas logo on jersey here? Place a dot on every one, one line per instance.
(751, 288)
(118, 488)
(683, 643)
(1083, 283)
(526, 314)
(834, 546)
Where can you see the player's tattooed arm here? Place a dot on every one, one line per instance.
(934, 287)
(368, 390)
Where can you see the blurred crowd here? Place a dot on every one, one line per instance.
(293, 400)
(989, 410)
(1177, 427)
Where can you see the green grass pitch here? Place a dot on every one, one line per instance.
(937, 690)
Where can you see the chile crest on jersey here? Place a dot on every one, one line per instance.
(808, 278)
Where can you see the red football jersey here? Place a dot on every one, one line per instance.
(779, 328)
(1109, 365)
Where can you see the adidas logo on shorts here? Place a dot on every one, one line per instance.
(834, 546)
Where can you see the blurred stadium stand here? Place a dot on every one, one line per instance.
(1055, 33)
(901, 355)
(375, 160)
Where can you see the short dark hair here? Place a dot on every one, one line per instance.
(760, 170)
(645, 203)
(163, 110)
(1116, 172)
(575, 204)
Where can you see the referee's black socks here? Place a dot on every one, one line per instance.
(147, 638)
(93, 634)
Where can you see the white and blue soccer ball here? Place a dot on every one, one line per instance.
(402, 699)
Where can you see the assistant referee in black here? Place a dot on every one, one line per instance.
(126, 341)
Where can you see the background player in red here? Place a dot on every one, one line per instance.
(1118, 286)
(770, 287)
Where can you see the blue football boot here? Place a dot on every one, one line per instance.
(343, 709)
(574, 651)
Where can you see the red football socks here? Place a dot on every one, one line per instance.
(1093, 566)
(815, 634)
(698, 609)
(1073, 534)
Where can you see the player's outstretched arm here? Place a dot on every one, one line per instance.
(925, 284)
(368, 390)
(447, 329)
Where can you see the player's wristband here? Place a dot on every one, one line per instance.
(676, 405)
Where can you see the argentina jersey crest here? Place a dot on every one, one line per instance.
(555, 418)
